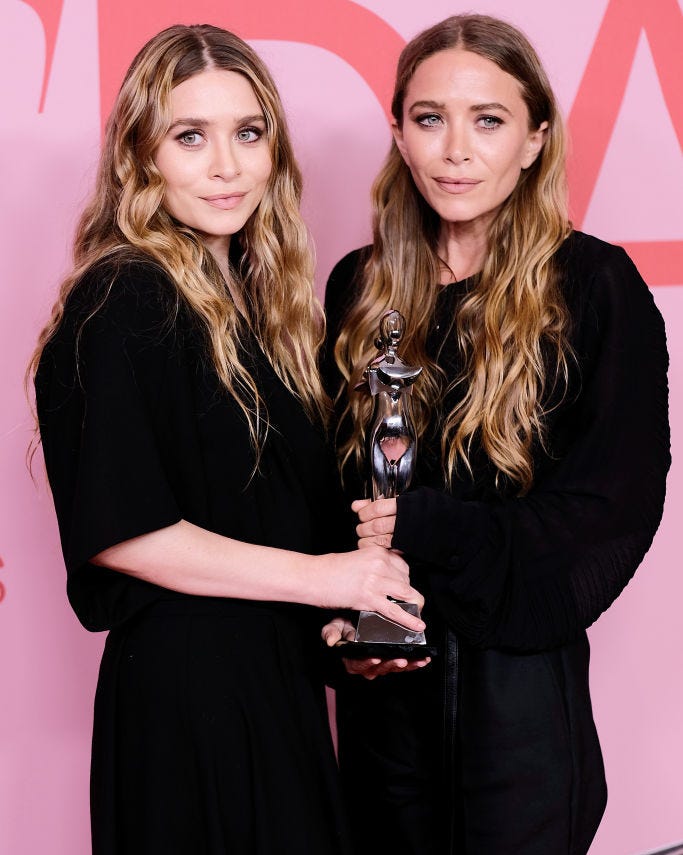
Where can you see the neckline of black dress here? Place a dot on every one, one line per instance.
(461, 283)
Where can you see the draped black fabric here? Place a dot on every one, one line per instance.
(211, 732)
(517, 580)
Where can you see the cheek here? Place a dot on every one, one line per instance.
(176, 171)
(176, 179)
(419, 152)
(177, 206)
(161, 161)
(261, 171)
(264, 166)
(175, 201)
(506, 165)
(265, 177)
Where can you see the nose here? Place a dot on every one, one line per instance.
(224, 161)
(457, 144)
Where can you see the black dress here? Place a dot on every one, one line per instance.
(211, 732)
(492, 749)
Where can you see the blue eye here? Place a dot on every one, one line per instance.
(189, 138)
(249, 135)
(428, 120)
(489, 123)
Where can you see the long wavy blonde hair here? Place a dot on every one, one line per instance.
(512, 325)
(125, 218)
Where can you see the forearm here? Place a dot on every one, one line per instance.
(186, 558)
(193, 560)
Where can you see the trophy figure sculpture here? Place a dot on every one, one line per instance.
(391, 449)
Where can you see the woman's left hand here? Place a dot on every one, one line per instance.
(377, 521)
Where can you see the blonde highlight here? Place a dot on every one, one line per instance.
(512, 325)
(125, 219)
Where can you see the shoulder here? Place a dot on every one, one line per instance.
(343, 282)
(124, 286)
(120, 306)
(601, 278)
(610, 303)
(125, 297)
(588, 262)
(348, 267)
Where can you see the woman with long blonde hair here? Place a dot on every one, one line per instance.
(542, 454)
(182, 422)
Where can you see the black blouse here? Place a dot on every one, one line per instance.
(533, 572)
(138, 434)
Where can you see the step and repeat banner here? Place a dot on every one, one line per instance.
(617, 68)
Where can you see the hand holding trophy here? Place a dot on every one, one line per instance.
(391, 452)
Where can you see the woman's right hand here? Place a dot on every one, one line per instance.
(184, 557)
(366, 579)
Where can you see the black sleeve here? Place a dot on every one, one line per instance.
(533, 572)
(97, 390)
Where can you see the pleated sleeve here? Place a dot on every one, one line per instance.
(533, 572)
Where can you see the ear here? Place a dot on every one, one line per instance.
(398, 139)
(534, 144)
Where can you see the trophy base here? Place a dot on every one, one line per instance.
(383, 650)
(377, 637)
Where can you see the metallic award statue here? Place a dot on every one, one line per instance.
(392, 442)
(391, 453)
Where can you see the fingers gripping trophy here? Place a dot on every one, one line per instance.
(392, 446)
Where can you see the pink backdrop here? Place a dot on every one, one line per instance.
(617, 67)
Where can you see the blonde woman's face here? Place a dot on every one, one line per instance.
(465, 135)
(215, 157)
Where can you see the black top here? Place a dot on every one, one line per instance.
(531, 573)
(138, 434)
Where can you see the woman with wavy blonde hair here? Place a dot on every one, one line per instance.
(182, 421)
(542, 453)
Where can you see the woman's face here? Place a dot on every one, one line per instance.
(215, 157)
(465, 135)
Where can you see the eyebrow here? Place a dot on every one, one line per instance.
(204, 123)
(493, 105)
(475, 108)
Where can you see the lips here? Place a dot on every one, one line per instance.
(457, 186)
(225, 201)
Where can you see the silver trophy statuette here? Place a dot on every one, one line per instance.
(392, 446)
(392, 443)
